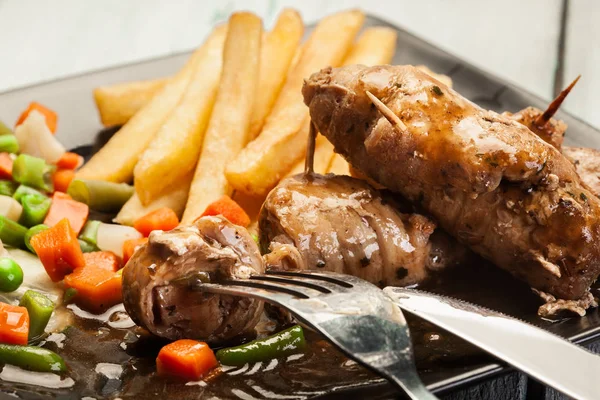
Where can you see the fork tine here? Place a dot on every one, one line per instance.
(312, 275)
(291, 281)
(262, 293)
(309, 279)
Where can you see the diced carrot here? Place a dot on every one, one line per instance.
(98, 283)
(51, 117)
(228, 208)
(62, 178)
(185, 359)
(58, 250)
(69, 161)
(14, 324)
(63, 206)
(6, 166)
(103, 259)
(130, 246)
(163, 219)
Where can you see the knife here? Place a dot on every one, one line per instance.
(545, 356)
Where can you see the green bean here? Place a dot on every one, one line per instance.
(282, 344)
(40, 310)
(32, 358)
(100, 195)
(86, 247)
(32, 232)
(33, 171)
(11, 275)
(7, 188)
(9, 144)
(90, 232)
(22, 190)
(35, 209)
(11, 232)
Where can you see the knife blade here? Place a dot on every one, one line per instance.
(545, 356)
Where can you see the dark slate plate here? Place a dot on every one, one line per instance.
(445, 366)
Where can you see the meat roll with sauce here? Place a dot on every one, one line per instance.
(341, 224)
(487, 179)
(156, 281)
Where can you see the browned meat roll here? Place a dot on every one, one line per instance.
(342, 224)
(487, 179)
(551, 131)
(156, 290)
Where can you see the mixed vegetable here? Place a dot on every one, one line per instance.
(46, 210)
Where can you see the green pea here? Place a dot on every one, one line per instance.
(11, 275)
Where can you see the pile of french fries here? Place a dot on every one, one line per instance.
(232, 121)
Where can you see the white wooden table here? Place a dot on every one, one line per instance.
(517, 40)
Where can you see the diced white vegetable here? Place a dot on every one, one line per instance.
(111, 237)
(36, 139)
(10, 208)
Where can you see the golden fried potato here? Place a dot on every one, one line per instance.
(116, 160)
(118, 103)
(173, 152)
(227, 131)
(279, 146)
(374, 46)
(339, 166)
(277, 55)
(174, 198)
(445, 79)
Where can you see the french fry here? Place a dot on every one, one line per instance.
(280, 144)
(174, 198)
(227, 130)
(445, 79)
(116, 160)
(374, 46)
(339, 166)
(322, 158)
(174, 150)
(277, 54)
(118, 103)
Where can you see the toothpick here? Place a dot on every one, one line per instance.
(310, 150)
(554, 106)
(388, 114)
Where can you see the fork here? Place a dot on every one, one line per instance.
(351, 313)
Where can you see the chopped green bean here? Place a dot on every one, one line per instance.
(32, 232)
(100, 195)
(7, 188)
(40, 310)
(90, 232)
(9, 144)
(11, 232)
(11, 275)
(22, 190)
(35, 209)
(5, 130)
(282, 344)
(86, 247)
(33, 171)
(32, 358)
